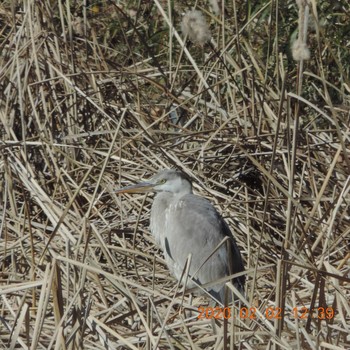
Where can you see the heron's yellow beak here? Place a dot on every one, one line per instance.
(142, 187)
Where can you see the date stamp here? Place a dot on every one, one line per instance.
(270, 313)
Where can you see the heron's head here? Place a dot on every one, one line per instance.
(169, 180)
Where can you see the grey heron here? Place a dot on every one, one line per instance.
(185, 224)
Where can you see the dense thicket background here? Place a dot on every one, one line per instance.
(96, 95)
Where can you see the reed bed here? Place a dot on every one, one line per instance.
(95, 96)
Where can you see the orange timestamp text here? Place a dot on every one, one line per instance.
(270, 313)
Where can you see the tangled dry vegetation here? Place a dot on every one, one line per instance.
(99, 96)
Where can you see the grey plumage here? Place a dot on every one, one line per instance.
(183, 224)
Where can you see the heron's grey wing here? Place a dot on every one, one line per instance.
(235, 259)
(193, 226)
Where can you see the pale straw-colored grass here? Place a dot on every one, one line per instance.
(91, 101)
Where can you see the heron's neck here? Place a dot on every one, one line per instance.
(166, 197)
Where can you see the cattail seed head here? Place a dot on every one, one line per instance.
(214, 4)
(195, 27)
(300, 51)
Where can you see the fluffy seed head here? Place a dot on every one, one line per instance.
(300, 51)
(195, 27)
(214, 4)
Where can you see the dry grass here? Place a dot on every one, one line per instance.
(93, 100)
